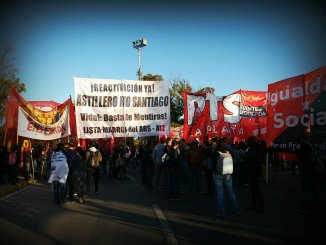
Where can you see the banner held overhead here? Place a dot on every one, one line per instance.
(123, 108)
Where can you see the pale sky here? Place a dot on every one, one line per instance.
(228, 45)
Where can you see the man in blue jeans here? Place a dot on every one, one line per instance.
(223, 177)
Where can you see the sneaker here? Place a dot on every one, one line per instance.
(96, 192)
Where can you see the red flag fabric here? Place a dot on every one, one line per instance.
(297, 105)
(231, 116)
(12, 109)
(43, 113)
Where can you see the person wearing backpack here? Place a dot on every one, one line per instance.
(222, 176)
(93, 159)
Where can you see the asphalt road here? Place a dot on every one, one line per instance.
(128, 213)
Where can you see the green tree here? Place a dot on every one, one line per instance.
(150, 77)
(8, 76)
(206, 90)
(178, 86)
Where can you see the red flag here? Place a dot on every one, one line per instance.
(12, 105)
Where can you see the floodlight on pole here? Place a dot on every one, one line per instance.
(138, 44)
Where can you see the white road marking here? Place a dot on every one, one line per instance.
(15, 193)
(170, 237)
(131, 178)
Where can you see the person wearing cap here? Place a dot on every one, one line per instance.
(93, 159)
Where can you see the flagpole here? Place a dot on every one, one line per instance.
(4, 138)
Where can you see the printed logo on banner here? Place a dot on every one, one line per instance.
(252, 111)
(29, 128)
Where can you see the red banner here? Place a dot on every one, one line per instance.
(45, 113)
(236, 116)
(297, 109)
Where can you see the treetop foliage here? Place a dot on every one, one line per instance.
(8, 76)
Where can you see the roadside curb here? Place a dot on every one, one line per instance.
(7, 189)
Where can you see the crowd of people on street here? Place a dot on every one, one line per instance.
(171, 165)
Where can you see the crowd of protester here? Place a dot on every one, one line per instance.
(178, 166)
(169, 165)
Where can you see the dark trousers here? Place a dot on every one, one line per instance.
(59, 192)
(27, 170)
(95, 174)
(256, 194)
(13, 170)
(149, 176)
(42, 170)
(78, 180)
(70, 185)
(210, 181)
(173, 179)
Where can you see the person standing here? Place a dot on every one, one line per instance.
(59, 174)
(194, 158)
(208, 151)
(27, 162)
(239, 154)
(13, 164)
(78, 168)
(173, 164)
(157, 155)
(311, 168)
(149, 164)
(252, 161)
(93, 159)
(223, 178)
(43, 162)
(68, 151)
(184, 148)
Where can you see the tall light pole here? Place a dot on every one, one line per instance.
(138, 44)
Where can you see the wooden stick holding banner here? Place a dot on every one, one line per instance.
(267, 177)
(5, 136)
